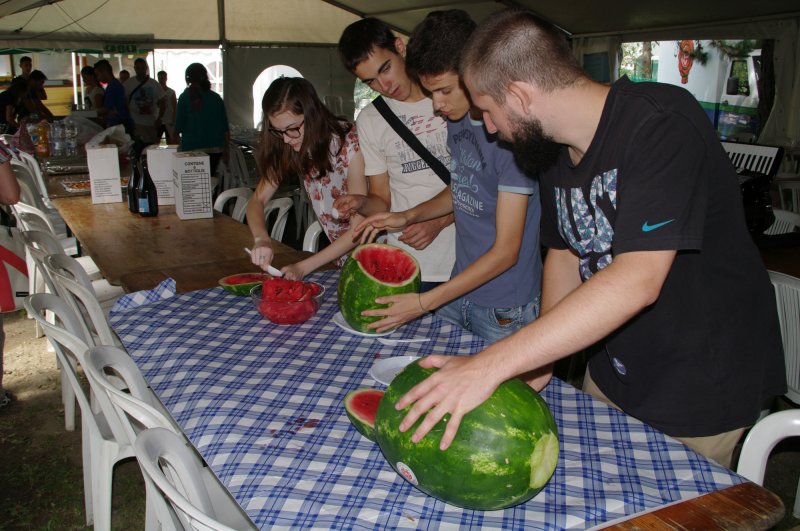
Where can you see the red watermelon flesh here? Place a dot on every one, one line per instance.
(374, 262)
(361, 406)
(245, 278)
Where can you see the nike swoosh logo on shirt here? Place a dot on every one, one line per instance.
(646, 227)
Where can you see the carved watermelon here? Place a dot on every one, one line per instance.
(374, 270)
(361, 406)
(504, 453)
(241, 283)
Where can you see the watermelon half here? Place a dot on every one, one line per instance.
(361, 406)
(241, 283)
(504, 453)
(374, 270)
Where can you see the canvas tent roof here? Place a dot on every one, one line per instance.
(254, 33)
(68, 23)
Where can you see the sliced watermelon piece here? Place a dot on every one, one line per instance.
(361, 406)
(374, 270)
(241, 283)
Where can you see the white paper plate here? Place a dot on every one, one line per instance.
(339, 321)
(384, 370)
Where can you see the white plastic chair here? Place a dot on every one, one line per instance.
(241, 196)
(761, 440)
(36, 170)
(74, 286)
(311, 238)
(122, 391)
(33, 218)
(282, 205)
(177, 472)
(787, 297)
(785, 222)
(101, 434)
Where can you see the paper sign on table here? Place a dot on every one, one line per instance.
(191, 173)
(103, 162)
(159, 163)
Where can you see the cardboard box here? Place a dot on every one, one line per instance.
(159, 163)
(103, 162)
(191, 174)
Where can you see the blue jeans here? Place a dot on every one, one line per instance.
(492, 324)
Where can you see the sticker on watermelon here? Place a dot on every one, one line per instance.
(361, 406)
(504, 453)
(374, 270)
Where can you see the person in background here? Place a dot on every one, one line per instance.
(124, 76)
(93, 93)
(9, 194)
(115, 109)
(32, 102)
(649, 261)
(398, 177)
(171, 103)
(496, 282)
(301, 136)
(10, 100)
(25, 68)
(146, 104)
(201, 120)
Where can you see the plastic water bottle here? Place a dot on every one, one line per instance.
(43, 140)
(70, 138)
(57, 139)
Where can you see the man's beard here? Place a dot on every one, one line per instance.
(534, 151)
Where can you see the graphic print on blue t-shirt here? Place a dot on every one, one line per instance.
(593, 232)
(466, 165)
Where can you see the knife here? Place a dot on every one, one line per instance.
(271, 270)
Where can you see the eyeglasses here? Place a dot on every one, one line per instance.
(291, 132)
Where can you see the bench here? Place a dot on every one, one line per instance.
(754, 157)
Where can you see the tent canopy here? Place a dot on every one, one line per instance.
(258, 33)
(64, 23)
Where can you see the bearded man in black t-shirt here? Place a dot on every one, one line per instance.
(649, 260)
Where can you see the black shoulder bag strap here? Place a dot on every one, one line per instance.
(140, 85)
(411, 139)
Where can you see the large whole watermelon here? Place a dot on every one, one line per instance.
(504, 453)
(374, 270)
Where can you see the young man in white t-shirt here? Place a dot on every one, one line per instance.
(399, 178)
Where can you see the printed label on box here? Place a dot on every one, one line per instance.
(192, 180)
(103, 162)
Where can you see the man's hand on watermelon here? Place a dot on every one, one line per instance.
(461, 384)
(402, 309)
(420, 235)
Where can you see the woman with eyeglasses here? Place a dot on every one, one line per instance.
(300, 136)
(200, 119)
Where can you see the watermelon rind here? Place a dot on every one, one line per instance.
(504, 453)
(364, 426)
(241, 289)
(357, 289)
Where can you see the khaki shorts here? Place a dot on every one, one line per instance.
(717, 447)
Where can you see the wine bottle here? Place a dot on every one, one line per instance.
(133, 186)
(147, 194)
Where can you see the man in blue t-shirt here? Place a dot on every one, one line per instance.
(115, 108)
(496, 282)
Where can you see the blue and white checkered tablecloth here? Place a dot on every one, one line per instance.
(263, 405)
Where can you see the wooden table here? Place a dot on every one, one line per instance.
(144, 251)
(744, 506)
